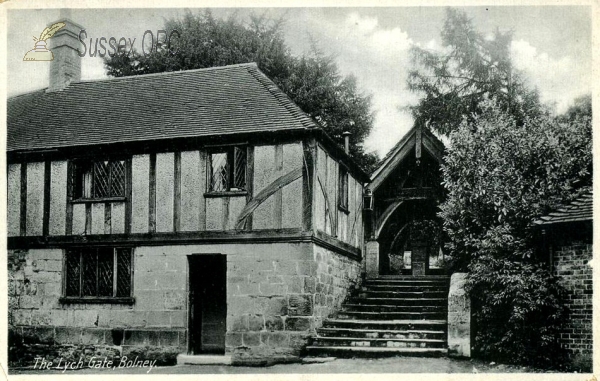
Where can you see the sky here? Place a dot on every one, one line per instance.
(552, 46)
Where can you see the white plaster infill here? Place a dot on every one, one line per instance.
(185, 359)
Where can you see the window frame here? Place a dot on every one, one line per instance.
(230, 191)
(343, 189)
(65, 299)
(78, 162)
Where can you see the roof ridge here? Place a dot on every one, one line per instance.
(282, 98)
(195, 103)
(166, 73)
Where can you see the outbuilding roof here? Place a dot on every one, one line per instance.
(580, 209)
(193, 103)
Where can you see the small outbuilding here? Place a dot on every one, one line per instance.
(567, 235)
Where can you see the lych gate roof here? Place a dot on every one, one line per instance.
(580, 209)
(428, 142)
(194, 103)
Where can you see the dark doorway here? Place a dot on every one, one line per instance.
(208, 303)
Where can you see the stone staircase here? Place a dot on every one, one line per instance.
(390, 315)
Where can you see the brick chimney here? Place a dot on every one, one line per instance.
(66, 66)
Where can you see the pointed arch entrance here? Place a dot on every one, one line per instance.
(403, 232)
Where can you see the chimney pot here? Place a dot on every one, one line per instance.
(346, 135)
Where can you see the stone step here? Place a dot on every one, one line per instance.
(403, 294)
(409, 277)
(370, 315)
(381, 334)
(400, 301)
(394, 307)
(377, 343)
(391, 324)
(402, 283)
(405, 287)
(341, 351)
(185, 359)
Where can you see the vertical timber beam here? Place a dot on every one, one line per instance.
(177, 192)
(203, 175)
(278, 196)
(46, 221)
(249, 182)
(152, 195)
(308, 183)
(23, 222)
(69, 213)
(128, 193)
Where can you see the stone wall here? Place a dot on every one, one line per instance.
(459, 317)
(276, 299)
(571, 265)
(336, 276)
(277, 295)
(40, 325)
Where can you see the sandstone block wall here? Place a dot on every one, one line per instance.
(459, 317)
(40, 325)
(277, 295)
(571, 265)
(276, 299)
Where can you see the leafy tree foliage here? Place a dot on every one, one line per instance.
(581, 109)
(500, 176)
(312, 81)
(471, 67)
(518, 309)
(508, 162)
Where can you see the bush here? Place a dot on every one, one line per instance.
(517, 312)
(581, 362)
(500, 177)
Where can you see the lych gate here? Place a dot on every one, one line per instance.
(403, 231)
(401, 307)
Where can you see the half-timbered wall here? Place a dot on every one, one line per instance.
(168, 194)
(345, 225)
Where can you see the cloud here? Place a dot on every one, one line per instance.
(377, 56)
(379, 60)
(559, 80)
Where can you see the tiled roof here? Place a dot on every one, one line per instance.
(194, 103)
(580, 209)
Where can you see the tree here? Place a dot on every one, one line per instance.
(508, 162)
(500, 176)
(312, 81)
(471, 67)
(581, 108)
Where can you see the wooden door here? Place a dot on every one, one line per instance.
(208, 303)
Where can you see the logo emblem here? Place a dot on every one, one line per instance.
(40, 52)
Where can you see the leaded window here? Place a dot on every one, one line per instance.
(99, 179)
(98, 272)
(228, 169)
